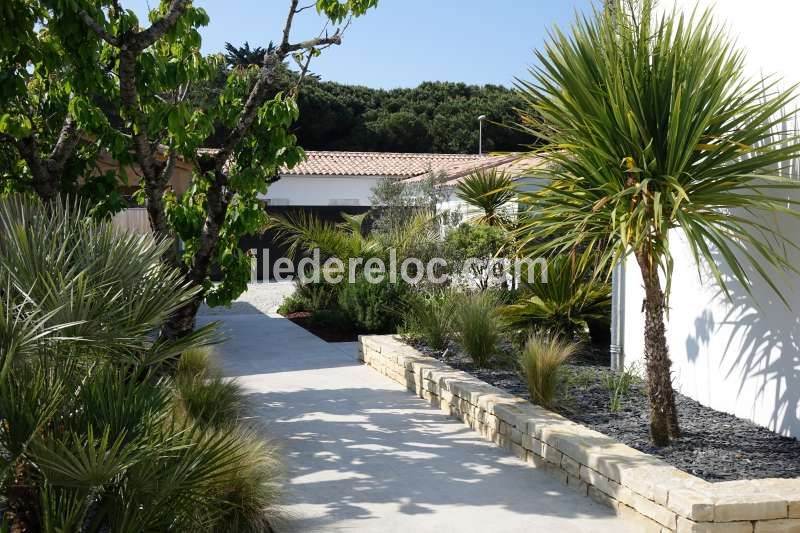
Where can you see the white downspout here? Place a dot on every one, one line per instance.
(618, 317)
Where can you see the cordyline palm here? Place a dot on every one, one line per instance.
(488, 190)
(652, 129)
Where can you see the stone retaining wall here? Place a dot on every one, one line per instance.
(633, 483)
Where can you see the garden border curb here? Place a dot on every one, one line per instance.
(662, 497)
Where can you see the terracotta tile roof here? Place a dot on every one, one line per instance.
(515, 165)
(390, 164)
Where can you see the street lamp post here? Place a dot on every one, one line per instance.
(480, 134)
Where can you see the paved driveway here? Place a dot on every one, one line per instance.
(366, 455)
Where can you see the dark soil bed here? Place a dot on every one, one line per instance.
(325, 331)
(714, 446)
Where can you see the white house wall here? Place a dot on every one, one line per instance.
(322, 190)
(740, 356)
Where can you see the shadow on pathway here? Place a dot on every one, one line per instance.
(364, 454)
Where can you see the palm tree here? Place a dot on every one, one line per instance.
(652, 130)
(244, 56)
(488, 190)
(94, 435)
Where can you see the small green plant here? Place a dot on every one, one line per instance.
(310, 297)
(541, 362)
(373, 307)
(292, 304)
(564, 303)
(583, 378)
(618, 384)
(430, 317)
(477, 325)
(252, 489)
(211, 402)
(477, 248)
(209, 399)
(195, 362)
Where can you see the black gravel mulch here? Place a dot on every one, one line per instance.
(714, 446)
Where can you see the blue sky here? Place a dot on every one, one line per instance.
(403, 42)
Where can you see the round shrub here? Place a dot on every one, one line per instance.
(373, 307)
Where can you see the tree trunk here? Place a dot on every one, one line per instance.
(663, 415)
(44, 183)
(183, 320)
(23, 501)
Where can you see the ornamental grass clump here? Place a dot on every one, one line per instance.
(207, 398)
(541, 361)
(652, 131)
(477, 325)
(429, 317)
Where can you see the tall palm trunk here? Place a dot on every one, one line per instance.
(663, 415)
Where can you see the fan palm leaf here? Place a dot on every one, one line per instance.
(304, 232)
(489, 190)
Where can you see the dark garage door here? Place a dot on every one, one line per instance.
(267, 240)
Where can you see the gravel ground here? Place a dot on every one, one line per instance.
(714, 446)
(260, 298)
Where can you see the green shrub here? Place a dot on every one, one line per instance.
(333, 319)
(203, 394)
(430, 318)
(211, 402)
(541, 362)
(310, 297)
(476, 241)
(95, 436)
(292, 304)
(195, 362)
(373, 307)
(251, 490)
(477, 325)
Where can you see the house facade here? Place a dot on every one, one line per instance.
(328, 178)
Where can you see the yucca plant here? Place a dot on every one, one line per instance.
(563, 303)
(541, 361)
(489, 190)
(652, 129)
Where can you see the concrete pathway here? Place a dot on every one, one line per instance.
(366, 455)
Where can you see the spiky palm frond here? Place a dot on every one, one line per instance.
(654, 127)
(541, 361)
(489, 190)
(111, 290)
(414, 236)
(304, 232)
(91, 436)
(563, 303)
